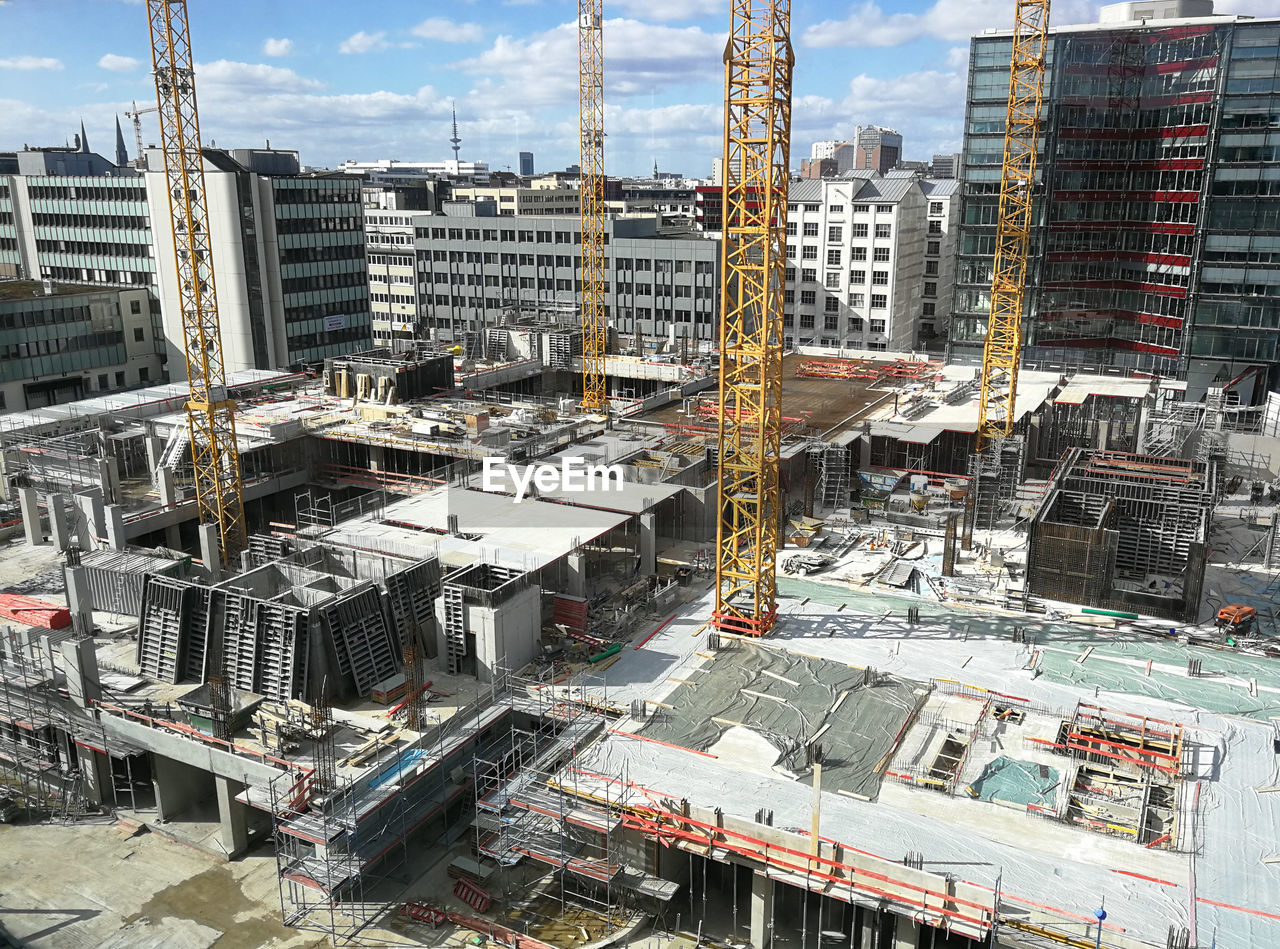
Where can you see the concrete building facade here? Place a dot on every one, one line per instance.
(60, 342)
(877, 147)
(856, 267)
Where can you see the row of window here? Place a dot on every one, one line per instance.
(128, 222)
(93, 248)
(854, 324)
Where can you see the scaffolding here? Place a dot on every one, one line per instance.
(338, 852)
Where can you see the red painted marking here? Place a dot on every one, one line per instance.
(666, 744)
(656, 631)
(1242, 909)
(1140, 876)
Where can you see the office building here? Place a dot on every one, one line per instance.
(938, 288)
(474, 269)
(1157, 218)
(526, 164)
(62, 342)
(945, 166)
(856, 250)
(474, 171)
(876, 147)
(289, 261)
(541, 196)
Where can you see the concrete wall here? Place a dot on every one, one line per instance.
(507, 634)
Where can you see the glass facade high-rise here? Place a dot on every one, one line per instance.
(1156, 227)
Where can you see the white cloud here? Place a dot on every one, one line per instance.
(115, 63)
(30, 62)
(254, 77)
(672, 9)
(542, 69)
(363, 42)
(274, 47)
(442, 30)
(948, 20)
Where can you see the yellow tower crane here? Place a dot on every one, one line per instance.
(210, 412)
(1003, 347)
(595, 329)
(757, 143)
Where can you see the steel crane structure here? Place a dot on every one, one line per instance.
(595, 329)
(757, 143)
(1003, 347)
(136, 114)
(210, 412)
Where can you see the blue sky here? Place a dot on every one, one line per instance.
(377, 80)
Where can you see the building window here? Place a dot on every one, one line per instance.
(859, 230)
(832, 281)
(855, 324)
(144, 374)
(882, 255)
(135, 307)
(831, 305)
(928, 309)
(139, 334)
(791, 228)
(788, 319)
(877, 326)
(835, 233)
(931, 289)
(119, 380)
(860, 208)
(831, 323)
(806, 321)
(858, 276)
(933, 248)
(791, 251)
(884, 209)
(788, 296)
(791, 275)
(809, 253)
(857, 299)
(857, 253)
(879, 301)
(880, 278)
(931, 268)
(811, 229)
(808, 297)
(935, 227)
(935, 207)
(813, 208)
(808, 275)
(835, 209)
(882, 230)
(833, 258)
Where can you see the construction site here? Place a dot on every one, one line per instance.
(839, 649)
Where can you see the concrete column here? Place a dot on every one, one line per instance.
(92, 523)
(155, 448)
(761, 911)
(96, 768)
(173, 537)
(179, 786)
(233, 815)
(209, 550)
(29, 502)
(109, 477)
(79, 599)
(870, 929)
(165, 484)
(376, 462)
(906, 935)
(648, 545)
(115, 526)
(59, 522)
(577, 585)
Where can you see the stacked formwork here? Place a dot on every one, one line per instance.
(1123, 531)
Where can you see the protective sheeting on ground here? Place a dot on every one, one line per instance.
(1016, 782)
(795, 702)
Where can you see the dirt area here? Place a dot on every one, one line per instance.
(822, 404)
(98, 885)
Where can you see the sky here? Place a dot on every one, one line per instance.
(351, 80)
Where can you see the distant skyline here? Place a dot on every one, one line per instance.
(339, 81)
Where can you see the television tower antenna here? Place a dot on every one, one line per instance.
(455, 140)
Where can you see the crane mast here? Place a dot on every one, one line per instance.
(1003, 347)
(595, 330)
(757, 139)
(210, 412)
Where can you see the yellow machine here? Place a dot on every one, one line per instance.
(210, 412)
(595, 329)
(757, 140)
